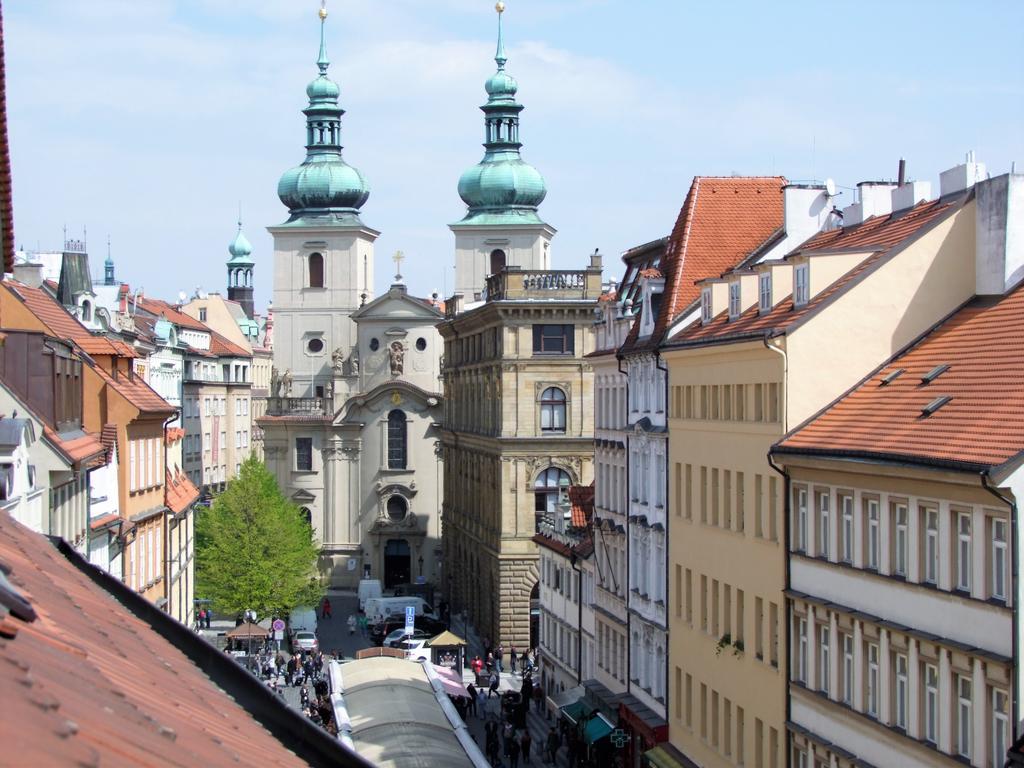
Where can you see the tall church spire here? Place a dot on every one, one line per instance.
(502, 188)
(324, 188)
(240, 268)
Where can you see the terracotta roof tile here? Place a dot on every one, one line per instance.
(181, 492)
(173, 435)
(981, 426)
(169, 312)
(108, 436)
(49, 312)
(877, 236)
(222, 347)
(89, 683)
(721, 222)
(6, 197)
(137, 392)
(581, 499)
(78, 448)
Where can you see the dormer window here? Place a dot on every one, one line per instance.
(734, 300)
(764, 292)
(801, 293)
(705, 305)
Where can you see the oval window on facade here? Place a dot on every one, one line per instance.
(374, 344)
(315, 346)
(421, 344)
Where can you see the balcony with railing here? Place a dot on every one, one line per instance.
(298, 406)
(515, 283)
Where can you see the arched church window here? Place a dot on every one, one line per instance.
(550, 490)
(307, 515)
(397, 508)
(86, 311)
(397, 440)
(497, 261)
(552, 410)
(316, 270)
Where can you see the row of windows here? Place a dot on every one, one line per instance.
(727, 402)
(801, 294)
(646, 562)
(720, 497)
(479, 347)
(647, 474)
(647, 663)
(647, 388)
(213, 406)
(722, 724)
(559, 640)
(145, 464)
(237, 372)
(145, 556)
(611, 651)
(609, 484)
(610, 410)
(960, 549)
(903, 683)
(723, 614)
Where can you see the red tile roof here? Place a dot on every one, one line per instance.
(221, 346)
(49, 312)
(721, 222)
(88, 683)
(581, 499)
(137, 392)
(181, 492)
(980, 427)
(173, 435)
(82, 448)
(878, 236)
(171, 313)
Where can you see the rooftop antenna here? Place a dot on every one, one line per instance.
(902, 174)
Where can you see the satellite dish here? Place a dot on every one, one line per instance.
(830, 187)
(182, 297)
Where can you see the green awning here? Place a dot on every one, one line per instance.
(596, 728)
(574, 711)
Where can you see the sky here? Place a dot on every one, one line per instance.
(152, 121)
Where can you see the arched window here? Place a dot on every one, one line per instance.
(397, 508)
(550, 489)
(307, 515)
(86, 311)
(552, 410)
(316, 270)
(497, 261)
(396, 440)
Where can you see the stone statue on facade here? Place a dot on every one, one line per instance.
(337, 360)
(353, 363)
(275, 381)
(396, 354)
(286, 383)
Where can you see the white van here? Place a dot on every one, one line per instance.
(368, 588)
(302, 618)
(378, 608)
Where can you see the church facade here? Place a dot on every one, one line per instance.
(351, 429)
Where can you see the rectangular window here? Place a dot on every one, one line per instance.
(704, 603)
(999, 559)
(824, 658)
(773, 633)
(551, 339)
(931, 546)
(759, 628)
(963, 551)
(304, 454)
(741, 402)
(931, 703)
(801, 654)
(872, 681)
(764, 292)
(846, 502)
(801, 291)
(848, 670)
(824, 529)
(900, 542)
(133, 483)
(872, 505)
(1000, 725)
(688, 596)
(206, 403)
(901, 692)
(801, 520)
(734, 300)
(705, 305)
(963, 716)
(689, 702)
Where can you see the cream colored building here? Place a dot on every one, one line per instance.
(518, 431)
(774, 344)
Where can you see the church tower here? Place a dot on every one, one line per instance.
(240, 267)
(323, 253)
(502, 193)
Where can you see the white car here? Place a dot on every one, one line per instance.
(416, 650)
(395, 637)
(305, 641)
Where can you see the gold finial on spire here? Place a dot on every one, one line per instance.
(499, 6)
(323, 10)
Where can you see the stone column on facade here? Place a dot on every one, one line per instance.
(858, 665)
(834, 654)
(860, 524)
(349, 492)
(946, 703)
(946, 538)
(885, 535)
(979, 716)
(811, 673)
(979, 561)
(884, 678)
(914, 540)
(332, 455)
(914, 686)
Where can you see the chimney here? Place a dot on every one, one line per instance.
(31, 274)
(805, 209)
(910, 194)
(875, 200)
(961, 177)
(999, 238)
(596, 259)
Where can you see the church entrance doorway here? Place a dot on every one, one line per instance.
(397, 563)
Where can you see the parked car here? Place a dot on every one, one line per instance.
(416, 650)
(398, 635)
(433, 627)
(304, 641)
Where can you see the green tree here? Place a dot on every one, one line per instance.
(254, 548)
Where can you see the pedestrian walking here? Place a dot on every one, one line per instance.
(325, 609)
(498, 657)
(494, 680)
(508, 735)
(513, 748)
(551, 745)
(471, 690)
(481, 702)
(538, 698)
(364, 625)
(351, 624)
(525, 743)
(512, 658)
(490, 662)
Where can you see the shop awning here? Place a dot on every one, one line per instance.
(596, 728)
(576, 711)
(667, 756)
(559, 700)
